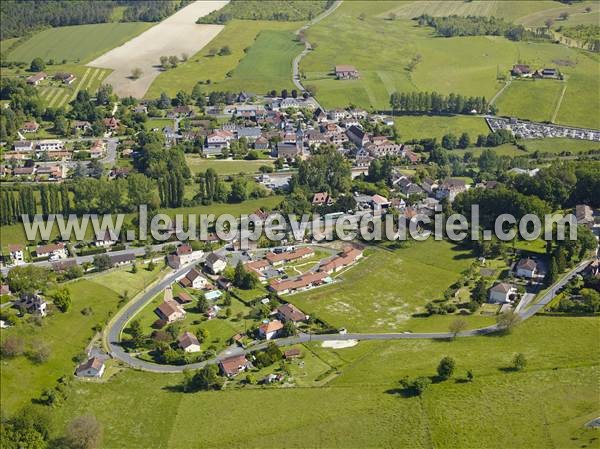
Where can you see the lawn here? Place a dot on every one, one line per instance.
(531, 99)
(544, 406)
(79, 43)
(67, 334)
(225, 167)
(159, 123)
(466, 65)
(420, 127)
(382, 292)
(243, 64)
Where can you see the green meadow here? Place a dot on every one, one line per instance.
(466, 65)
(546, 405)
(424, 126)
(79, 43)
(383, 291)
(260, 60)
(225, 167)
(531, 99)
(66, 334)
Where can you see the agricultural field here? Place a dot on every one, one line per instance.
(164, 39)
(470, 64)
(424, 126)
(226, 167)
(555, 398)
(252, 53)
(531, 100)
(66, 334)
(382, 292)
(79, 43)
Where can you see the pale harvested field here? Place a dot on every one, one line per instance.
(173, 36)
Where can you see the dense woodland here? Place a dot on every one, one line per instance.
(284, 10)
(481, 26)
(21, 17)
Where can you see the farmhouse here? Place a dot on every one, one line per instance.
(54, 251)
(232, 366)
(94, 367)
(520, 70)
(287, 256)
(188, 342)
(346, 72)
(215, 263)
(501, 293)
(37, 78)
(289, 312)
(526, 268)
(345, 259)
(30, 127)
(170, 311)
(270, 329)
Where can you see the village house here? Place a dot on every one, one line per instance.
(249, 133)
(450, 188)
(53, 251)
(182, 297)
(23, 171)
(23, 145)
(112, 124)
(215, 263)
(186, 254)
(170, 311)
(501, 293)
(584, 215)
(118, 260)
(411, 156)
(379, 203)
(217, 140)
(429, 185)
(106, 240)
(302, 282)
(288, 151)
(188, 342)
(232, 366)
(289, 312)
(81, 125)
(321, 198)
(36, 79)
(94, 367)
(343, 260)
(270, 330)
(32, 303)
(357, 136)
(258, 267)
(193, 279)
(346, 72)
(277, 259)
(17, 253)
(261, 143)
(97, 149)
(292, 353)
(50, 145)
(520, 70)
(526, 268)
(30, 127)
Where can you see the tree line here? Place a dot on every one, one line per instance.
(454, 25)
(436, 103)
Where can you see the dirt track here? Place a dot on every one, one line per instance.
(173, 36)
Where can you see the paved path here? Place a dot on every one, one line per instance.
(111, 151)
(113, 335)
(308, 47)
(493, 100)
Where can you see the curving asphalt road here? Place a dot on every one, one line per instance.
(113, 334)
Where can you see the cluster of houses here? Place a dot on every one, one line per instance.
(532, 130)
(64, 78)
(525, 71)
(506, 293)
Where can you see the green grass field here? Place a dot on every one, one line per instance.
(265, 66)
(548, 145)
(420, 127)
(225, 167)
(549, 402)
(80, 43)
(382, 292)
(467, 65)
(533, 100)
(67, 334)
